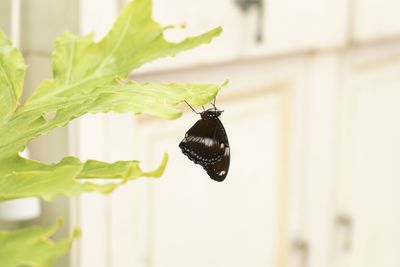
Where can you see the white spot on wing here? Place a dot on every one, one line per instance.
(221, 173)
(204, 140)
(208, 141)
(226, 151)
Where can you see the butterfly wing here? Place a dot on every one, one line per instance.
(206, 144)
(219, 170)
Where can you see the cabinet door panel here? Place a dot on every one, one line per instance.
(199, 17)
(198, 222)
(291, 25)
(376, 19)
(369, 185)
(287, 26)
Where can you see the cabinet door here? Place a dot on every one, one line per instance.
(287, 26)
(292, 25)
(376, 19)
(199, 17)
(185, 218)
(369, 187)
(197, 222)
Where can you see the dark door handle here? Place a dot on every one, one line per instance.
(344, 229)
(301, 252)
(245, 5)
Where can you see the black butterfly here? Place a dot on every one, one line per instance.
(206, 143)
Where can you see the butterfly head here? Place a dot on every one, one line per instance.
(211, 114)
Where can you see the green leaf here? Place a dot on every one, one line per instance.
(22, 177)
(80, 64)
(88, 79)
(12, 71)
(32, 247)
(151, 98)
(154, 99)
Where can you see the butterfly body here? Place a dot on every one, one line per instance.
(206, 144)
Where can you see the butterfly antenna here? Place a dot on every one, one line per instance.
(191, 107)
(203, 108)
(215, 108)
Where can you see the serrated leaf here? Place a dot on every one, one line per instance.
(80, 64)
(32, 246)
(155, 99)
(151, 98)
(21, 177)
(87, 79)
(12, 72)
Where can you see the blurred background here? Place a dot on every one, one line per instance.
(312, 115)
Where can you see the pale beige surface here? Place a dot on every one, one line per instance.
(5, 16)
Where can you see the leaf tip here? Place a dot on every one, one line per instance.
(219, 30)
(77, 233)
(160, 170)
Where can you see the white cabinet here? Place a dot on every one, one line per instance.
(230, 224)
(199, 17)
(287, 26)
(368, 191)
(314, 137)
(292, 26)
(185, 218)
(375, 20)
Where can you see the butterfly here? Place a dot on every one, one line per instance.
(206, 144)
